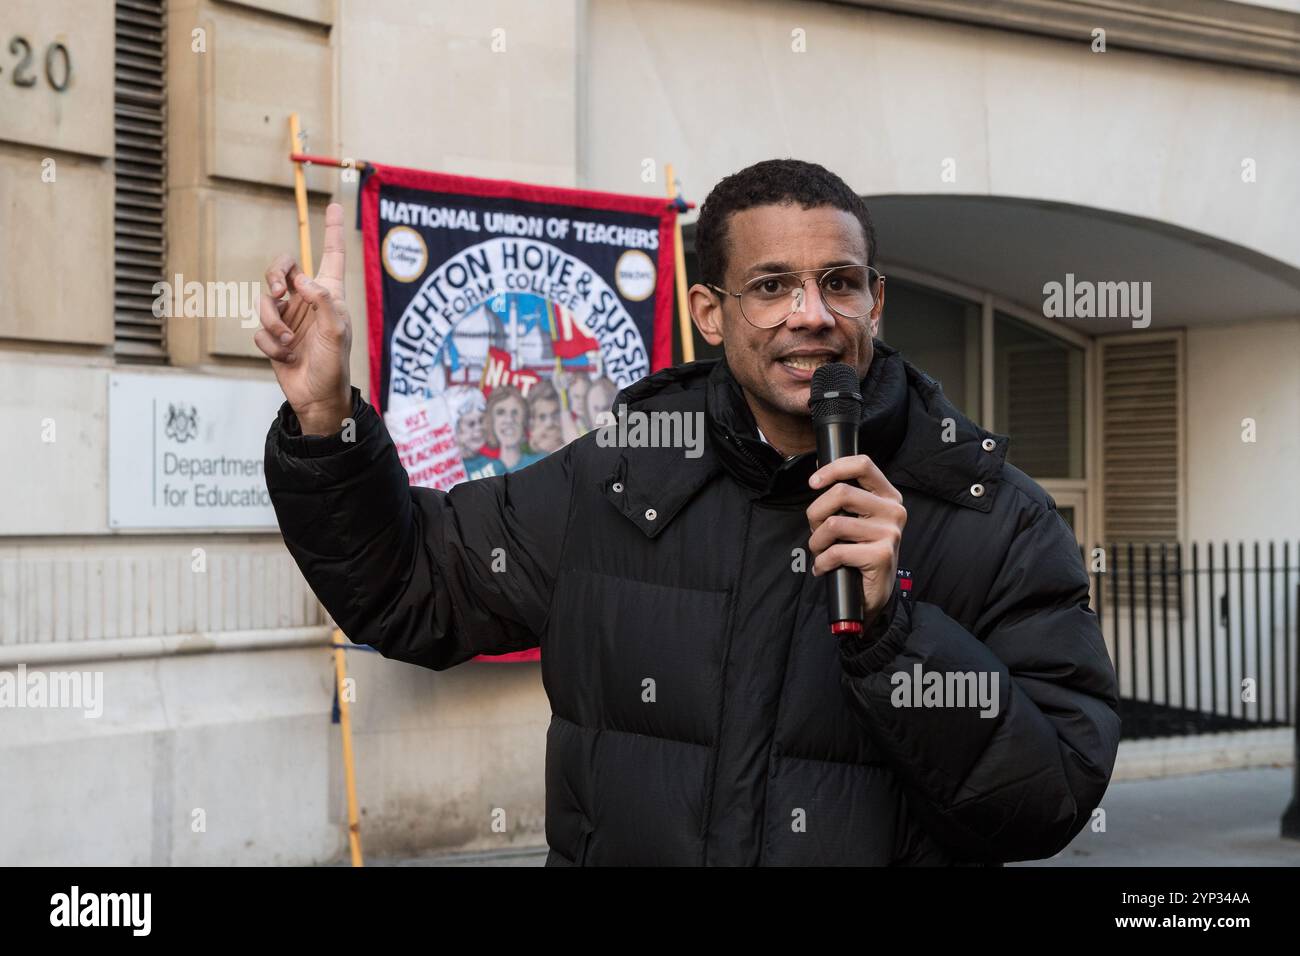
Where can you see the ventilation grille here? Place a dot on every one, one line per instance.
(1140, 439)
(1139, 400)
(139, 163)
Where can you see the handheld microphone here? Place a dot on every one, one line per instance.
(837, 414)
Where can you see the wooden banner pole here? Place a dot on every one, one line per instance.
(300, 194)
(338, 640)
(679, 255)
(349, 765)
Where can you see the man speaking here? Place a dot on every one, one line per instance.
(703, 711)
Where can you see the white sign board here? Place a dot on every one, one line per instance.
(185, 451)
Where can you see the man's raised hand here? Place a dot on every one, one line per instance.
(307, 335)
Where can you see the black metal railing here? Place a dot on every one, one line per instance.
(1203, 637)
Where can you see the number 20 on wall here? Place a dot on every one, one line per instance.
(58, 65)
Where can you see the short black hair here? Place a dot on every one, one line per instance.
(771, 182)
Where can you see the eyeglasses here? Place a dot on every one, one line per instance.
(768, 300)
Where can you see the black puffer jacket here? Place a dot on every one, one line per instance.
(701, 712)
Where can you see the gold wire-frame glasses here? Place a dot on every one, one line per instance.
(774, 297)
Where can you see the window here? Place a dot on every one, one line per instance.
(940, 335)
(1038, 399)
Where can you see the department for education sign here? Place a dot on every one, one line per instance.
(185, 451)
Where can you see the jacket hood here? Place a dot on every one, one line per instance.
(909, 428)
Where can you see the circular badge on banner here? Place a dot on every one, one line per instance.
(635, 275)
(404, 253)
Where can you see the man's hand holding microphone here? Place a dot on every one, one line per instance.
(857, 522)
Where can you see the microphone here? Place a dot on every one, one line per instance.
(837, 414)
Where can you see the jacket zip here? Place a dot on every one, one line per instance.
(750, 455)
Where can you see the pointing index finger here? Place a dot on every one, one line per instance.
(331, 262)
